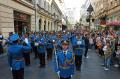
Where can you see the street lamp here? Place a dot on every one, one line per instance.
(80, 22)
(89, 10)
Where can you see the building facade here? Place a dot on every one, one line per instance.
(20, 16)
(84, 15)
(16, 15)
(107, 12)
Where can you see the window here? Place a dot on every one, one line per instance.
(44, 4)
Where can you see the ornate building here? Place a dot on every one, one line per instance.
(21, 15)
(107, 12)
(85, 15)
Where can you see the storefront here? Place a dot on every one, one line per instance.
(21, 22)
(114, 25)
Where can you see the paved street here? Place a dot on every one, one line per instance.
(91, 69)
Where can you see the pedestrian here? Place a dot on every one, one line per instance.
(50, 45)
(26, 54)
(73, 41)
(100, 47)
(65, 35)
(79, 52)
(59, 41)
(1, 43)
(107, 55)
(41, 48)
(64, 62)
(15, 56)
(91, 41)
(34, 48)
(117, 64)
(86, 39)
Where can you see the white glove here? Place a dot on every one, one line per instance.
(36, 44)
(71, 76)
(53, 40)
(58, 73)
(26, 40)
(11, 68)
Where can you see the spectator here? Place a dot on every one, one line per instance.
(1, 41)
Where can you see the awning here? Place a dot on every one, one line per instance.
(113, 23)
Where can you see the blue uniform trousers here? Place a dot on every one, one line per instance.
(41, 59)
(49, 53)
(18, 74)
(65, 78)
(78, 62)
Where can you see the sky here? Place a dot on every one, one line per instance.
(75, 4)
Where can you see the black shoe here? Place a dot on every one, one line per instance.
(42, 66)
(78, 69)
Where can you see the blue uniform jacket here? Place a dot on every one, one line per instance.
(50, 41)
(73, 40)
(32, 39)
(64, 64)
(42, 45)
(80, 44)
(59, 42)
(65, 37)
(15, 52)
(8, 41)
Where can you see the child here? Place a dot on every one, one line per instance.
(107, 55)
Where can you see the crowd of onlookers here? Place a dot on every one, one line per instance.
(107, 45)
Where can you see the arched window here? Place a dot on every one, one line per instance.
(45, 25)
(48, 26)
(40, 24)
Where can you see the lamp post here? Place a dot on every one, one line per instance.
(80, 22)
(89, 10)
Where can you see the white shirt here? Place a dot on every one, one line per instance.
(91, 41)
(105, 48)
(26, 40)
(65, 52)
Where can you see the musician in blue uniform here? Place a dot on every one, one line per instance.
(8, 41)
(50, 45)
(73, 40)
(34, 48)
(59, 41)
(64, 62)
(65, 36)
(26, 54)
(41, 48)
(78, 51)
(15, 57)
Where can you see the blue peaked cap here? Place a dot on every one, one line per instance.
(14, 37)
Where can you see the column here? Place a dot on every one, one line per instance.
(46, 25)
(37, 24)
(42, 24)
(50, 26)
